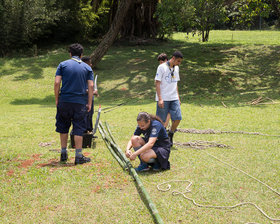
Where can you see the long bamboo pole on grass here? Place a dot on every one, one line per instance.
(112, 151)
(119, 153)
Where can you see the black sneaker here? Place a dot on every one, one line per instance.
(170, 135)
(63, 157)
(81, 160)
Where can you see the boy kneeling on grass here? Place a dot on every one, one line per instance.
(154, 148)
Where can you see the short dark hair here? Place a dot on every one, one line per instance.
(177, 54)
(86, 59)
(76, 49)
(162, 57)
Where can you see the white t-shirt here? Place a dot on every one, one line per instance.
(168, 78)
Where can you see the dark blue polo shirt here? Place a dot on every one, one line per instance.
(156, 129)
(75, 75)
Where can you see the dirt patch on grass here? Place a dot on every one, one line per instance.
(55, 163)
(10, 173)
(29, 162)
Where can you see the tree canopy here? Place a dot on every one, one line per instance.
(25, 23)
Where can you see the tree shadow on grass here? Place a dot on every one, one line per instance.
(25, 68)
(48, 100)
(209, 72)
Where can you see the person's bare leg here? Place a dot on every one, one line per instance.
(172, 130)
(174, 125)
(167, 120)
(78, 141)
(63, 140)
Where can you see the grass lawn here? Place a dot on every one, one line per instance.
(219, 79)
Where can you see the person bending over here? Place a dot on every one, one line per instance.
(153, 149)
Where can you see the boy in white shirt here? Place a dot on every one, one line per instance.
(167, 95)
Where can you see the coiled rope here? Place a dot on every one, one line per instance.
(187, 189)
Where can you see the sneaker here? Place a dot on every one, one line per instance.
(156, 166)
(142, 167)
(63, 157)
(170, 135)
(81, 160)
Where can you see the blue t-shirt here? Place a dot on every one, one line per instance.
(156, 129)
(75, 74)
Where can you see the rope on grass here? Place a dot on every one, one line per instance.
(212, 131)
(198, 144)
(187, 190)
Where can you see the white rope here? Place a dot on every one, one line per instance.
(187, 190)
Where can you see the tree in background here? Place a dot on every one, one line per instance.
(111, 35)
(174, 15)
(207, 14)
(23, 22)
(242, 14)
(196, 16)
(140, 22)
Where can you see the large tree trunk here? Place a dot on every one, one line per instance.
(140, 22)
(111, 35)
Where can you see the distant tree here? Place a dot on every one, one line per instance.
(196, 16)
(24, 22)
(174, 15)
(207, 14)
(242, 13)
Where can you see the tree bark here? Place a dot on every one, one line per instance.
(111, 35)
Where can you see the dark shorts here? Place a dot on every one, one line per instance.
(163, 152)
(162, 156)
(71, 113)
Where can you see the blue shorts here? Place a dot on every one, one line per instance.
(68, 113)
(172, 107)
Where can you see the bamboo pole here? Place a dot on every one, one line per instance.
(111, 149)
(119, 153)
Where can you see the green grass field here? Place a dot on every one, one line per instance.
(219, 81)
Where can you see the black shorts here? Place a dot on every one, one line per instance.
(71, 113)
(162, 150)
(162, 156)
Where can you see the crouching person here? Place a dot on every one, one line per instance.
(153, 149)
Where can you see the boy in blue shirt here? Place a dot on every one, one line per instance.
(73, 101)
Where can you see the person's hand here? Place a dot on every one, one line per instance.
(95, 93)
(88, 107)
(161, 103)
(128, 153)
(133, 156)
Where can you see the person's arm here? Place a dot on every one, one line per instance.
(128, 152)
(90, 94)
(160, 100)
(178, 95)
(144, 148)
(57, 88)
